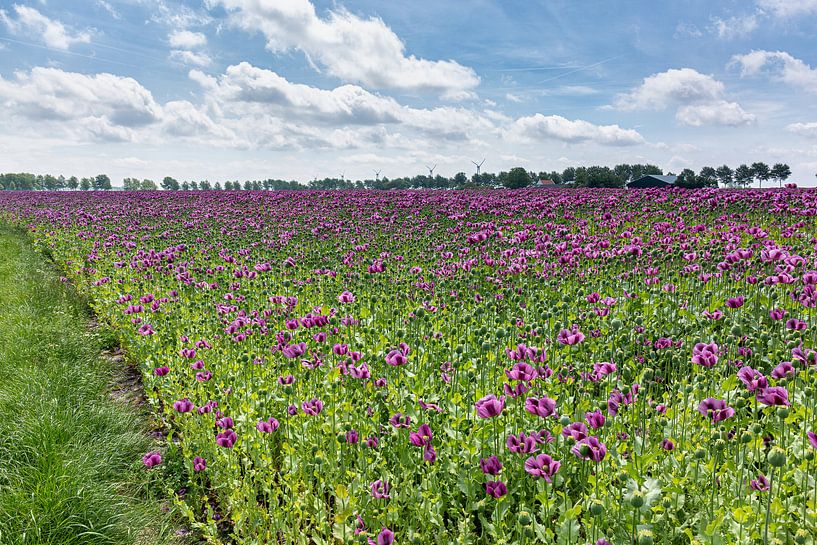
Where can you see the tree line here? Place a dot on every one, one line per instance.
(516, 178)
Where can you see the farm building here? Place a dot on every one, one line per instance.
(549, 184)
(652, 180)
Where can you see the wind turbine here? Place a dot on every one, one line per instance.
(478, 165)
(431, 170)
(377, 174)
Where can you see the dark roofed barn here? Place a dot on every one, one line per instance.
(652, 180)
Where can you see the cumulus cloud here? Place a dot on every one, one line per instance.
(185, 39)
(803, 129)
(538, 127)
(714, 113)
(246, 91)
(788, 8)
(354, 49)
(194, 58)
(778, 65)
(698, 97)
(52, 33)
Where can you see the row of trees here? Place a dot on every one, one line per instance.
(742, 176)
(581, 176)
(39, 182)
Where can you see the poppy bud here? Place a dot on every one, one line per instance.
(565, 420)
(524, 518)
(783, 412)
(777, 457)
(596, 508)
(637, 499)
(746, 437)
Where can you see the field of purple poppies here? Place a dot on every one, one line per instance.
(514, 367)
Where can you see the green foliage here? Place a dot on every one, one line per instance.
(69, 456)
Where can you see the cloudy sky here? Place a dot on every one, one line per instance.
(237, 89)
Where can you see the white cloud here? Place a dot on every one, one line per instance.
(699, 99)
(193, 58)
(51, 32)
(185, 39)
(714, 113)
(736, 26)
(246, 91)
(513, 98)
(538, 126)
(788, 8)
(109, 8)
(804, 129)
(660, 90)
(780, 66)
(352, 48)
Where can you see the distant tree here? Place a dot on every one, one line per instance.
(170, 184)
(781, 173)
(194, 186)
(217, 186)
(568, 175)
(687, 179)
(73, 183)
(185, 186)
(102, 182)
(148, 185)
(743, 175)
(204, 185)
(247, 185)
(652, 169)
(460, 178)
(623, 171)
(85, 184)
(725, 175)
(708, 177)
(761, 173)
(517, 178)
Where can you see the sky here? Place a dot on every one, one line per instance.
(297, 89)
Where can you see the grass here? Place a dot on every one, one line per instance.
(70, 455)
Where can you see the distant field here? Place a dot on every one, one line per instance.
(533, 366)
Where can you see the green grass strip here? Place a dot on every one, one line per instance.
(70, 455)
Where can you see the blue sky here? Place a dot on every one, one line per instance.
(237, 89)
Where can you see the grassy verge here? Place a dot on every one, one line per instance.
(70, 469)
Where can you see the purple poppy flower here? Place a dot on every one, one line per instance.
(380, 490)
(226, 439)
(667, 444)
(576, 430)
(521, 444)
(777, 314)
(735, 302)
(161, 371)
(705, 355)
(590, 448)
(595, 419)
(715, 409)
(396, 358)
(812, 438)
(346, 297)
(570, 337)
(761, 484)
(199, 464)
(489, 406)
(183, 406)
(152, 459)
(522, 372)
(429, 454)
(385, 537)
(544, 406)
(496, 489)
(267, 426)
(422, 437)
(542, 466)
(490, 465)
(783, 369)
(775, 395)
(312, 407)
(754, 380)
(603, 369)
(294, 350)
(400, 421)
